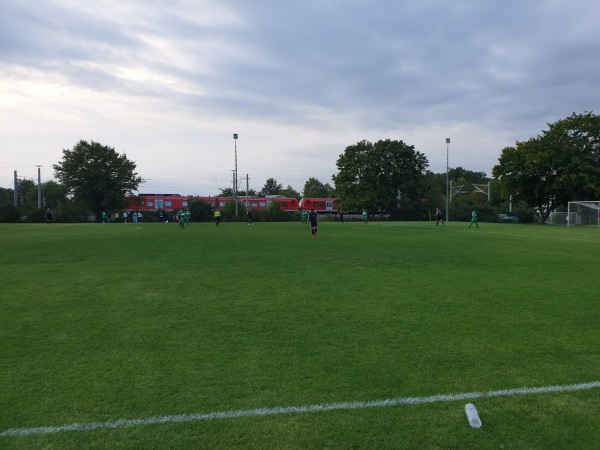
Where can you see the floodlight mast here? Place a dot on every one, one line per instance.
(39, 187)
(16, 192)
(235, 177)
(447, 179)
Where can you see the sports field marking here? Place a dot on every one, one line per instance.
(294, 409)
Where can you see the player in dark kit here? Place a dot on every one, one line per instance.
(313, 218)
(438, 217)
(48, 216)
(250, 218)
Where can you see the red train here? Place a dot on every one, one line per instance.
(323, 205)
(173, 202)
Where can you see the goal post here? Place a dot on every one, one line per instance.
(583, 213)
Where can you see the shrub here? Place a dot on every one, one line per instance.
(462, 213)
(9, 214)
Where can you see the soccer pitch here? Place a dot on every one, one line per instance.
(369, 336)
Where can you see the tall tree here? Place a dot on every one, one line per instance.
(97, 175)
(271, 187)
(6, 196)
(251, 193)
(28, 194)
(226, 192)
(54, 193)
(290, 192)
(560, 165)
(575, 143)
(386, 175)
(314, 188)
(467, 175)
(199, 210)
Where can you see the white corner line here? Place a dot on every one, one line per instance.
(89, 426)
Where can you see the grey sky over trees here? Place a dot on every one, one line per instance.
(168, 83)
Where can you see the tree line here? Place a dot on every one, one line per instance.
(532, 179)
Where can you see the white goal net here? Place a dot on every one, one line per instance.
(584, 213)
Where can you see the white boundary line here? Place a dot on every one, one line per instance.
(293, 409)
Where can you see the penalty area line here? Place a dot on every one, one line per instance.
(90, 426)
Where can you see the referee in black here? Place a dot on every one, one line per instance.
(313, 218)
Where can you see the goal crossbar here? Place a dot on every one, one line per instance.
(586, 213)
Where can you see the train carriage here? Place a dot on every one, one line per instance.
(173, 202)
(321, 205)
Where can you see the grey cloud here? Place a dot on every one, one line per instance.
(504, 67)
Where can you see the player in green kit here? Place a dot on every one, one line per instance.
(474, 219)
(181, 217)
(303, 216)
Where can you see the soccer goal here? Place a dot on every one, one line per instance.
(584, 213)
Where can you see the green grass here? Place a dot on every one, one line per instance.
(102, 322)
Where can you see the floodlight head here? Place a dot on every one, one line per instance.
(235, 135)
(447, 140)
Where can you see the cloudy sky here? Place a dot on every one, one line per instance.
(169, 82)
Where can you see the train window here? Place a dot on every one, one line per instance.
(184, 203)
(254, 204)
(262, 204)
(148, 203)
(167, 203)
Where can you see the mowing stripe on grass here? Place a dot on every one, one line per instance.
(294, 409)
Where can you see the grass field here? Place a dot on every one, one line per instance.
(115, 322)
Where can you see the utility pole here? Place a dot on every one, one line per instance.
(447, 182)
(235, 177)
(16, 193)
(39, 188)
(247, 204)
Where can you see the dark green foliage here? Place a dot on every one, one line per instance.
(461, 175)
(200, 211)
(462, 213)
(273, 212)
(27, 196)
(271, 187)
(525, 214)
(54, 193)
(6, 196)
(560, 165)
(226, 192)
(9, 214)
(228, 212)
(97, 176)
(313, 188)
(70, 211)
(388, 175)
(290, 192)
